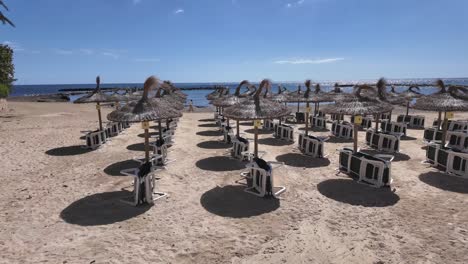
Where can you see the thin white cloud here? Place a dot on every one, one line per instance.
(63, 52)
(87, 51)
(293, 4)
(110, 54)
(179, 11)
(13, 45)
(136, 2)
(307, 61)
(147, 60)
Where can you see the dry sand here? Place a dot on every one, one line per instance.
(60, 203)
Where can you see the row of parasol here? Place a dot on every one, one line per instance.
(260, 104)
(159, 101)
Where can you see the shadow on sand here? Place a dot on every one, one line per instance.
(274, 142)
(210, 133)
(398, 156)
(208, 125)
(206, 120)
(115, 168)
(101, 209)
(333, 139)
(68, 151)
(232, 201)
(353, 193)
(445, 182)
(302, 161)
(260, 131)
(213, 144)
(137, 147)
(219, 163)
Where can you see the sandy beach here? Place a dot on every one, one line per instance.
(59, 203)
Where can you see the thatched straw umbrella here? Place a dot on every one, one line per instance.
(361, 104)
(409, 95)
(257, 108)
(232, 99)
(446, 100)
(145, 110)
(96, 97)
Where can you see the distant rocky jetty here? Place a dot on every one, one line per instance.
(41, 98)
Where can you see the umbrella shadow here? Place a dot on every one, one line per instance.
(353, 193)
(68, 151)
(150, 134)
(206, 120)
(302, 161)
(259, 131)
(209, 133)
(208, 125)
(101, 209)
(232, 201)
(407, 138)
(115, 168)
(137, 147)
(213, 144)
(274, 142)
(397, 156)
(156, 127)
(219, 163)
(334, 139)
(315, 129)
(445, 182)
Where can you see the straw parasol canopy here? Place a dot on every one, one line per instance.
(371, 102)
(409, 95)
(257, 108)
(281, 96)
(96, 97)
(445, 100)
(145, 110)
(232, 99)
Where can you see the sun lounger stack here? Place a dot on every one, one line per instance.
(451, 161)
(300, 117)
(269, 124)
(393, 127)
(432, 134)
(318, 122)
(366, 122)
(457, 140)
(240, 145)
(336, 117)
(386, 116)
(260, 179)
(412, 121)
(388, 142)
(374, 170)
(454, 125)
(228, 134)
(160, 152)
(284, 132)
(95, 139)
(342, 129)
(312, 146)
(144, 185)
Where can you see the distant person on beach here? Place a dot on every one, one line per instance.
(190, 106)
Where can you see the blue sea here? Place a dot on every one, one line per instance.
(198, 96)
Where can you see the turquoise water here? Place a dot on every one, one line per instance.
(198, 96)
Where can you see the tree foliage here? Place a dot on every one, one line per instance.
(3, 18)
(7, 69)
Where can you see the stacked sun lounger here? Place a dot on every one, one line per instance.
(336, 117)
(388, 142)
(374, 170)
(269, 124)
(312, 146)
(318, 122)
(366, 122)
(451, 161)
(95, 139)
(284, 132)
(240, 146)
(300, 117)
(393, 127)
(412, 121)
(260, 179)
(457, 140)
(342, 129)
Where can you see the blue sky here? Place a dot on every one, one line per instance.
(69, 41)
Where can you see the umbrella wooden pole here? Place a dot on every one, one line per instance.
(355, 136)
(444, 129)
(407, 108)
(377, 119)
(298, 107)
(237, 124)
(147, 145)
(438, 121)
(256, 141)
(160, 130)
(307, 119)
(318, 108)
(99, 115)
